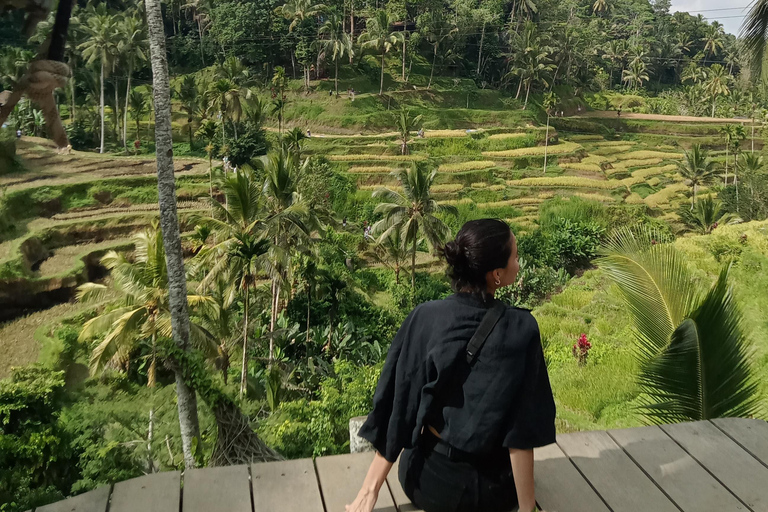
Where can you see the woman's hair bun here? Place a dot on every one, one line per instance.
(454, 255)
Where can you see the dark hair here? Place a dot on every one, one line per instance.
(480, 246)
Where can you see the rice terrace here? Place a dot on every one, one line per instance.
(208, 245)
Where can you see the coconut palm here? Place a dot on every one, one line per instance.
(697, 169)
(239, 254)
(614, 51)
(141, 311)
(713, 39)
(635, 74)
(754, 32)
(690, 343)
(298, 11)
(437, 28)
(378, 37)
(335, 43)
(137, 100)
(550, 101)
(391, 252)
(207, 132)
(405, 124)
(600, 6)
(219, 97)
(717, 84)
(100, 47)
(132, 48)
(187, 94)
(186, 399)
(413, 212)
(706, 216)
(278, 107)
(293, 139)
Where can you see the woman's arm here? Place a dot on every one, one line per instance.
(522, 470)
(369, 493)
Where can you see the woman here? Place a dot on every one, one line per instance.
(467, 423)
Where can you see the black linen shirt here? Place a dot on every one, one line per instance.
(503, 401)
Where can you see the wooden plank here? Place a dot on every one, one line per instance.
(92, 501)
(681, 477)
(287, 486)
(739, 471)
(749, 433)
(223, 488)
(559, 486)
(618, 480)
(158, 492)
(401, 500)
(341, 477)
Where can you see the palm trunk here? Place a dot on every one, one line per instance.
(546, 144)
(274, 314)
(125, 112)
(189, 125)
(713, 107)
(413, 273)
(210, 179)
(101, 106)
(397, 272)
(480, 51)
(169, 222)
(404, 44)
(431, 73)
(244, 369)
(336, 79)
(527, 92)
(309, 305)
(72, 93)
(138, 127)
(381, 84)
(693, 199)
(150, 435)
(519, 88)
(200, 33)
(117, 111)
(726, 163)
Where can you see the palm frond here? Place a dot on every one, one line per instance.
(118, 341)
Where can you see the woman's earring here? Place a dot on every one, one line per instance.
(498, 282)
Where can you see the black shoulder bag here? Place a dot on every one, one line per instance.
(489, 321)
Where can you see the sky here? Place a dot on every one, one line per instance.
(728, 12)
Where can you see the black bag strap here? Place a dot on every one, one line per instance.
(489, 321)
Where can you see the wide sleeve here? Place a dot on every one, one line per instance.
(389, 426)
(533, 418)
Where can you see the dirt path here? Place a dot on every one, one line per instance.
(611, 114)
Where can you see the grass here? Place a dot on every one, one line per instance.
(476, 165)
(581, 166)
(505, 136)
(374, 169)
(653, 171)
(431, 134)
(557, 149)
(373, 158)
(613, 143)
(636, 162)
(663, 196)
(650, 154)
(612, 150)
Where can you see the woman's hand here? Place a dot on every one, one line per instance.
(365, 501)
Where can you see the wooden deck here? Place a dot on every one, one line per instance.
(717, 466)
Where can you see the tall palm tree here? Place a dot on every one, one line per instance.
(729, 133)
(706, 216)
(138, 103)
(717, 83)
(550, 101)
(754, 32)
(635, 74)
(600, 6)
(713, 39)
(697, 168)
(293, 140)
(378, 37)
(298, 11)
(335, 43)
(187, 94)
(140, 312)
(405, 125)
(239, 254)
(278, 108)
(414, 213)
(391, 252)
(437, 28)
(691, 346)
(132, 48)
(614, 51)
(169, 221)
(100, 47)
(207, 131)
(219, 97)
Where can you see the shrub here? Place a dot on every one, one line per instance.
(574, 209)
(467, 166)
(533, 285)
(557, 149)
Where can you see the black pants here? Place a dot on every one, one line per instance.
(435, 483)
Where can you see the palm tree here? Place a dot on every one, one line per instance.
(697, 168)
(713, 39)
(238, 257)
(293, 140)
(550, 101)
(405, 124)
(218, 96)
(600, 6)
(391, 252)
(140, 312)
(101, 46)
(166, 185)
(614, 52)
(635, 74)
(336, 42)
(717, 83)
(691, 347)
(437, 28)
(234, 70)
(207, 131)
(753, 35)
(138, 103)
(278, 107)
(298, 11)
(729, 133)
(413, 213)
(132, 48)
(378, 37)
(190, 101)
(707, 215)
(750, 168)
